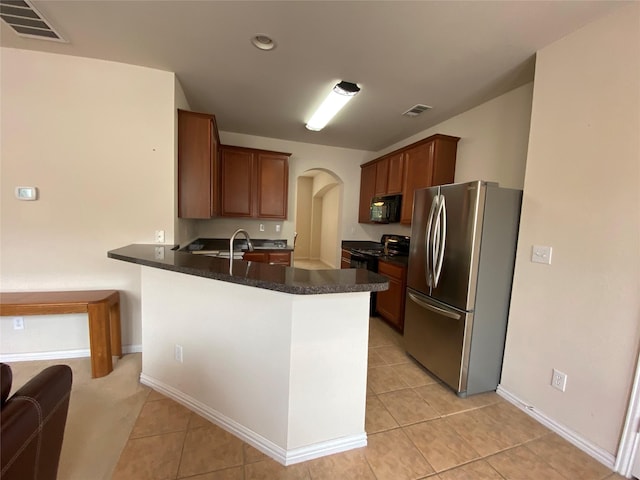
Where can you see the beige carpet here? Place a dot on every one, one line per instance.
(102, 412)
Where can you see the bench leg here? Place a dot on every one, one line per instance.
(100, 339)
(114, 322)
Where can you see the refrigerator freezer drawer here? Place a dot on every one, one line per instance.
(436, 336)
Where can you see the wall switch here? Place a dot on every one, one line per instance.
(26, 193)
(177, 354)
(18, 323)
(159, 253)
(159, 236)
(541, 254)
(559, 380)
(262, 227)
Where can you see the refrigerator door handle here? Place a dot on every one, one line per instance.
(433, 308)
(427, 240)
(442, 234)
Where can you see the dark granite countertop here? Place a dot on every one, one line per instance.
(253, 274)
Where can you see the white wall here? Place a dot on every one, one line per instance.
(286, 373)
(303, 217)
(493, 145)
(329, 239)
(97, 139)
(581, 196)
(493, 139)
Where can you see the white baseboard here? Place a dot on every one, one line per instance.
(279, 454)
(60, 354)
(572, 437)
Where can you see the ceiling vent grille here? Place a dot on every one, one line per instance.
(416, 110)
(26, 21)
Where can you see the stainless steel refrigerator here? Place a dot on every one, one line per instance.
(463, 243)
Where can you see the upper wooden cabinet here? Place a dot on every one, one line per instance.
(198, 165)
(367, 191)
(426, 163)
(254, 183)
(396, 173)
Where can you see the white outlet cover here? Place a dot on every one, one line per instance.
(559, 380)
(541, 254)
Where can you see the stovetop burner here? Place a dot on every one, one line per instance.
(396, 246)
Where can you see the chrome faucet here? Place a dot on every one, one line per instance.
(233, 237)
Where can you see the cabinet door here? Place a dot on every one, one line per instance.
(280, 258)
(390, 303)
(418, 168)
(444, 161)
(395, 176)
(382, 175)
(273, 180)
(197, 165)
(255, 257)
(237, 172)
(273, 258)
(367, 190)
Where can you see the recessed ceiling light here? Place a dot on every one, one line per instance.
(263, 42)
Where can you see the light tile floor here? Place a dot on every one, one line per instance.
(417, 428)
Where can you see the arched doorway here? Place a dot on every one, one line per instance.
(318, 213)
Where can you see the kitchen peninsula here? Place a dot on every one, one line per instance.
(276, 355)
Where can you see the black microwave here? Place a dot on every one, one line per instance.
(385, 209)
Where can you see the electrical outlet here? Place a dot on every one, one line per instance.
(18, 323)
(159, 236)
(277, 228)
(559, 380)
(541, 254)
(177, 354)
(262, 227)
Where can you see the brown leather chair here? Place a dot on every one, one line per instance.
(32, 423)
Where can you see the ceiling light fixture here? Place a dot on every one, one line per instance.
(263, 42)
(338, 98)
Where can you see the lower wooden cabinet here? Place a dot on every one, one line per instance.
(272, 258)
(390, 303)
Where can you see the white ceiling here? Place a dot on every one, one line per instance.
(451, 55)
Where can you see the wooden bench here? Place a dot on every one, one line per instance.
(102, 307)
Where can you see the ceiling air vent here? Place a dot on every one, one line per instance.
(26, 21)
(416, 110)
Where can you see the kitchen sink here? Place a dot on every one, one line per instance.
(219, 253)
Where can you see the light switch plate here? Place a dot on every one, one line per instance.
(27, 193)
(541, 254)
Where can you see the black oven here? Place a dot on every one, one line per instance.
(366, 254)
(368, 262)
